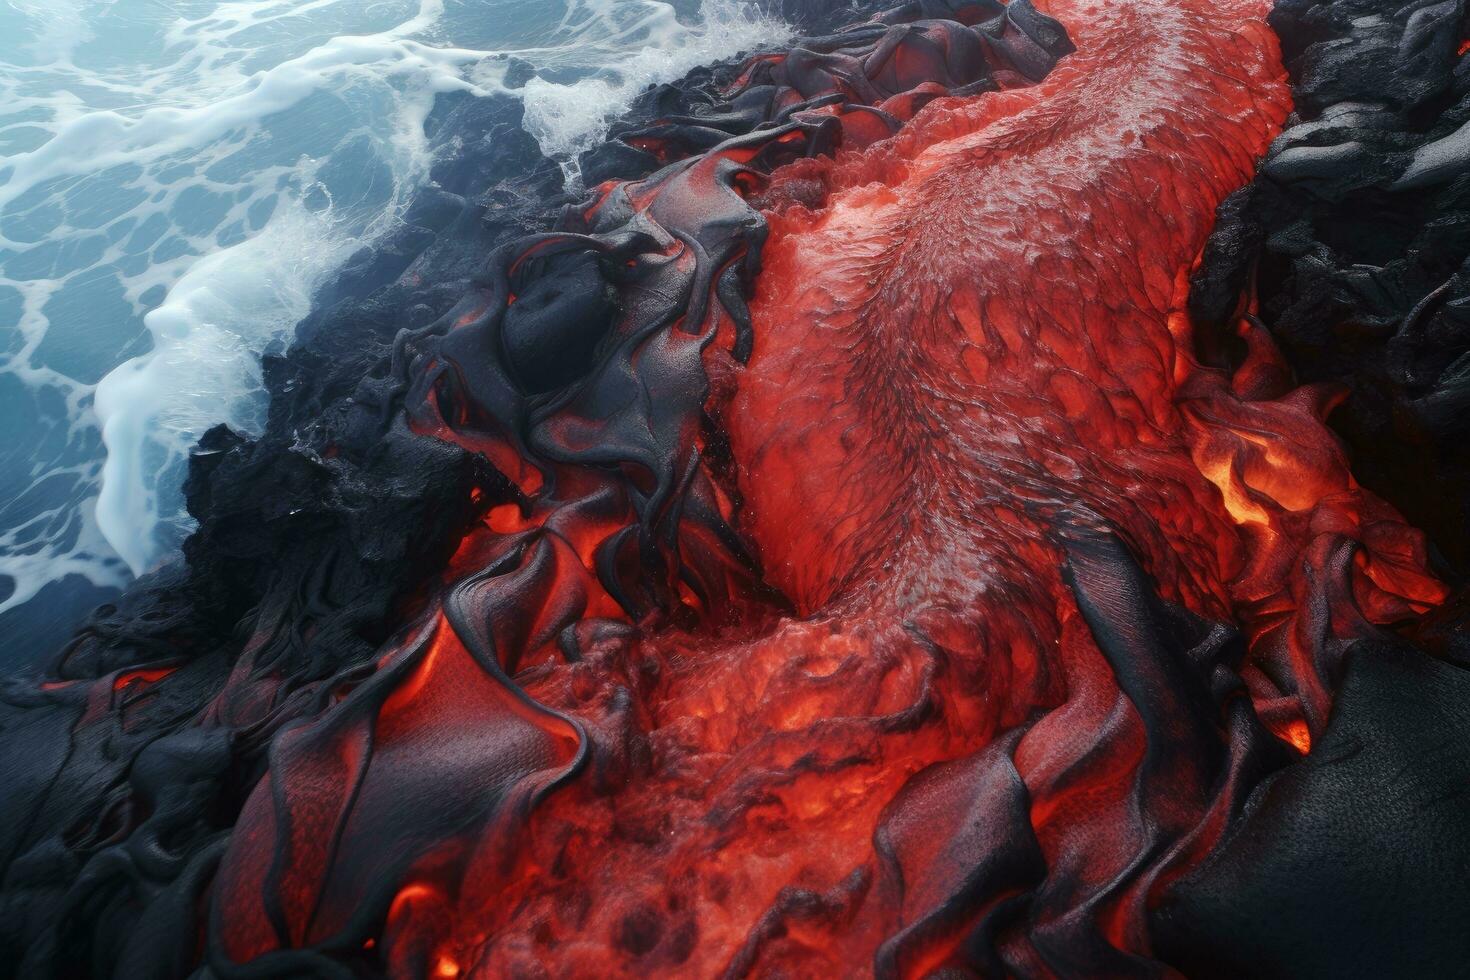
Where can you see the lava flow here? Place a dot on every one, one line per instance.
(880, 582)
(961, 434)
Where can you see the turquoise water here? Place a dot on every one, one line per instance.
(177, 177)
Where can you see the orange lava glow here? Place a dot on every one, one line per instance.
(902, 746)
(1299, 737)
(143, 677)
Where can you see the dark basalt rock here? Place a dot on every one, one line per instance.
(1355, 862)
(554, 328)
(1356, 234)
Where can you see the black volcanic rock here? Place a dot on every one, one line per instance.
(1356, 234)
(1356, 861)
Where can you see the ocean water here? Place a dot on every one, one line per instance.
(178, 176)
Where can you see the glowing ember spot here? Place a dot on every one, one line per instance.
(1300, 738)
(1220, 470)
(506, 519)
(131, 677)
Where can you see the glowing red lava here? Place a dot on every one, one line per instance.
(970, 443)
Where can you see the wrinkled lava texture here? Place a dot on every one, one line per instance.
(888, 526)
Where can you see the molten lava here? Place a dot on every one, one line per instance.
(883, 583)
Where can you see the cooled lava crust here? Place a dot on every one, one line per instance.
(876, 531)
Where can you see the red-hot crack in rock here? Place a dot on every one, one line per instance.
(937, 612)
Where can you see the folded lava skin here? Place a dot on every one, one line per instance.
(839, 545)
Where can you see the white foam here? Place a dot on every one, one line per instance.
(204, 369)
(568, 118)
